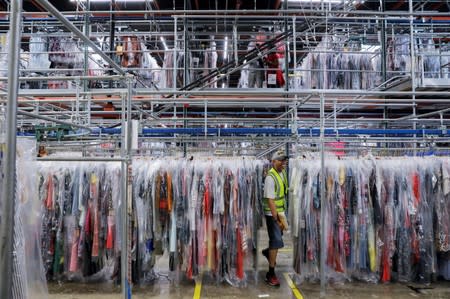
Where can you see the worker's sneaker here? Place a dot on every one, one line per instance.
(272, 280)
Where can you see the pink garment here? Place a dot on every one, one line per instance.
(337, 145)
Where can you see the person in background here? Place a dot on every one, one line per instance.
(257, 67)
(274, 203)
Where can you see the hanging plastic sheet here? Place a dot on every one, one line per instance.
(28, 271)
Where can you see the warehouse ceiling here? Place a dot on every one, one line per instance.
(70, 5)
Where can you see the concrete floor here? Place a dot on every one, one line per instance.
(256, 287)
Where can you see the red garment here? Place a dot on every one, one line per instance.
(274, 68)
(416, 191)
(110, 232)
(240, 256)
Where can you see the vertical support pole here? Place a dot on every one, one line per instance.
(235, 44)
(335, 115)
(384, 61)
(126, 189)
(294, 45)
(9, 183)
(186, 56)
(89, 105)
(123, 211)
(441, 63)
(112, 31)
(184, 126)
(206, 119)
(286, 85)
(322, 197)
(175, 44)
(129, 176)
(77, 100)
(413, 71)
(286, 47)
(186, 74)
(86, 47)
(383, 43)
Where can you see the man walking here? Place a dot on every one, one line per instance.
(274, 202)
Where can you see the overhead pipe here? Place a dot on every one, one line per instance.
(428, 19)
(346, 20)
(408, 117)
(290, 12)
(423, 20)
(329, 132)
(275, 92)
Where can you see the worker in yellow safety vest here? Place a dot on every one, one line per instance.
(274, 202)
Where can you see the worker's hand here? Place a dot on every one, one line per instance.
(282, 223)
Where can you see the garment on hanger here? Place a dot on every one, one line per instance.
(38, 52)
(333, 64)
(167, 78)
(274, 76)
(78, 237)
(203, 214)
(210, 62)
(385, 219)
(131, 55)
(151, 71)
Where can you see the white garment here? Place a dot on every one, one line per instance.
(446, 179)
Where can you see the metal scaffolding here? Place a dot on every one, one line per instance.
(202, 104)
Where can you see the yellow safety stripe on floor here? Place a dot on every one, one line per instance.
(294, 289)
(285, 250)
(198, 287)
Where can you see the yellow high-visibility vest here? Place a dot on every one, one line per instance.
(281, 189)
